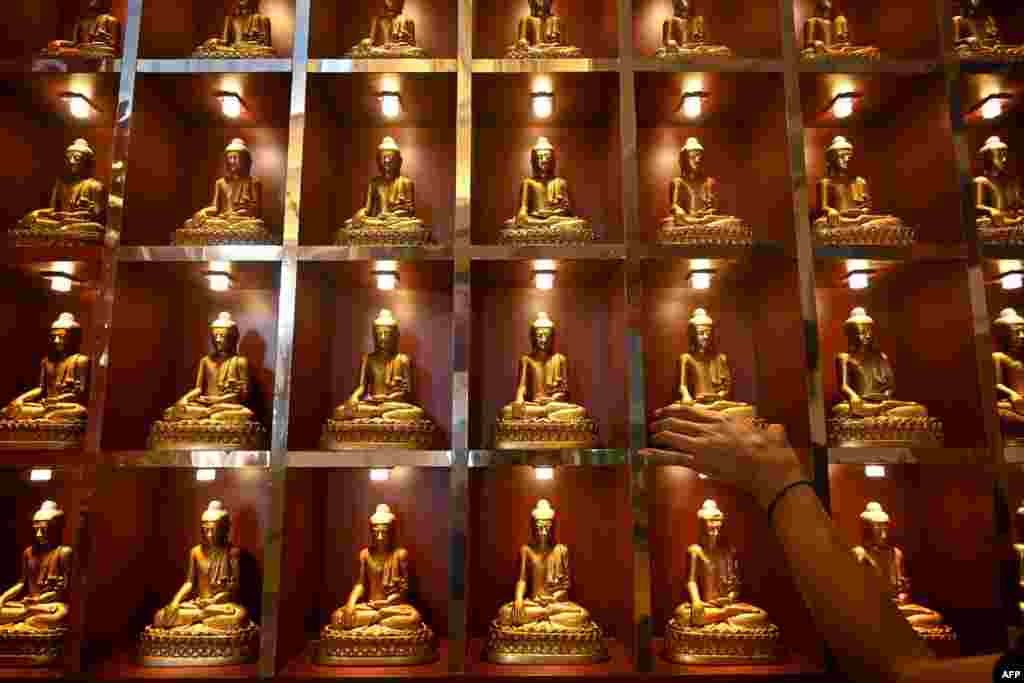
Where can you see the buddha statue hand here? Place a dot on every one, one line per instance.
(518, 410)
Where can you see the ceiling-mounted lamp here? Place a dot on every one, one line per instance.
(386, 274)
(380, 474)
(544, 274)
(80, 106)
(692, 103)
(874, 471)
(40, 474)
(206, 475)
(842, 105)
(700, 273)
(543, 104)
(544, 472)
(390, 103)
(219, 276)
(992, 106)
(230, 103)
(858, 273)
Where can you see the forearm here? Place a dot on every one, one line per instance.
(520, 590)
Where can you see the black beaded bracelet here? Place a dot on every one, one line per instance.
(785, 489)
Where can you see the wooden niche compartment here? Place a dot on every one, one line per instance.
(326, 525)
(340, 155)
(590, 26)
(902, 145)
(176, 152)
(22, 498)
(742, 128)
(1008, 17)
(593, 518)
(337, 304)
(923, 323)
(155, 513)
(588, 307)
(29, 308)
(748, 28)
(746, 306)
(903, 30)
(584, 130)
(30, 25)
(943, 517)
(160, 331)
(677, 494)
(38, 128)
(335, 28)
(172, 30)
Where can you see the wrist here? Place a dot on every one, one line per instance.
(770, 492)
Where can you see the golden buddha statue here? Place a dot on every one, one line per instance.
(540, 35)
(392, 34)
(246, 35)
(96, 34)
(867, 415)
(213, 414)
(997, 196)
(380, 412)
(377, 626)
(886, 561)
(693, 214)
(541, 625)
(235, 216)
(1008, 331)
(827, 38)
(53, 414)
(682, 35)
(78, 205)
(976, 35)
(389, 215)
(541, 415)
(713, 627)
(32, 628)
(204, 624)
(845, 205)
(545, 214)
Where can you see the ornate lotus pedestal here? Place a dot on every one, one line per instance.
(684, 53)
(1009, 235)
(390, 51)
(67, 236)
(217, 231)
(721, 644)
(545, 643)
(560, 233)
(376, 646)
(543, 52)
(544, 434)
(198, 646)
(238, 51)
(889, 232)
(726, 232)
(40, 434)
(885, 431)
(207, 435)
(415, 235)
(21, 646)
(82, 51)
(341, 435)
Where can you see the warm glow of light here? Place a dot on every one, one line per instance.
(544, 473)
(206, 475)
(543, 105)
(544, 280)
(380, 474)
(874, 471)
(843, 107)
(79, 106)
(701, 476)
(390, 105)
(692, 106)
(60, 283)
(386, 281)
(1012, 281)
(40, 475)
(859, 280)
(992, 108)
(219, 282)
(231, 105)
(700, 280)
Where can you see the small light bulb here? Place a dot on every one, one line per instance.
(701, 476)
(390, 106)
(700, 280)
(544, 280)
(231, 105)
(874, 471)
(992, 108)
(859, 280)
(543, 105)
(219, 282)
(380, 474)
(206, 475)
(60, 283)
(1013, 281)
(40, 475)
(386, 281)
(544, 473)
(692, 106)
(79, 106)
(843, 107)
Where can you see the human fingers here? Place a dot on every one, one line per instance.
(680, 426)
(657, 456)
(689, 412)
(677, 442)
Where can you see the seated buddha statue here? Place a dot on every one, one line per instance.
(52, 414)
(205, 624)
(377, 625)
(380, 411)
(545, 214)
(213, 414)
(693, 212)
(246, 34)
(826, 37)
(541, 416)
(1008, 331)
(997, 196)
(682, 35)
(235, 216)
(541, 610)
(392, 34)
(846, 215)
(976, 34)
(886, 561)
(96, 34)
(77, 208)
(34, 611)
(389, 215)
(541, 34)
(713, 621)
(867, 413)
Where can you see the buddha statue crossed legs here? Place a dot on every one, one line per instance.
(997, 196)
(96, 34)
(682, 35)
(827, 37)
(541, 35)
(246, 34)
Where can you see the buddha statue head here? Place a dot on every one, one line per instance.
(65, 336)
(711, 520)
(215, 525)
(79, 158)
(224, 335)
(98, 7)
(970, 8)
(542, 333)
(394, 7)
(875, 525)
(681, 8)
(860, 330)
(389, 158)
(701, 331)
(47, 525)
(543, 524)
(691, 158)
(540, 8)
(823, 8)
(542, 159)
(243, 7)
(994, 156)
(838, 156)
(237, 159)
(381, 528)
(1008, 330)
(385, 332)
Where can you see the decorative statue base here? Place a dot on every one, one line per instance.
(885, 231)
(391, 51)
(216, 232)
(543, 51)
(861, 54)
(885, 431)
(1005, 235)
(721, 643)
(533, 434)
(562, 232)
(218, 50)
(83, 51)
(545, 643)
(376, 646)
(198, 646)
(342, 435)
(676, 52)
(71, 234)
(207, 435)
(20, 646)
(412, 234)
(941, 639)
(41, 434)
(725, 232)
